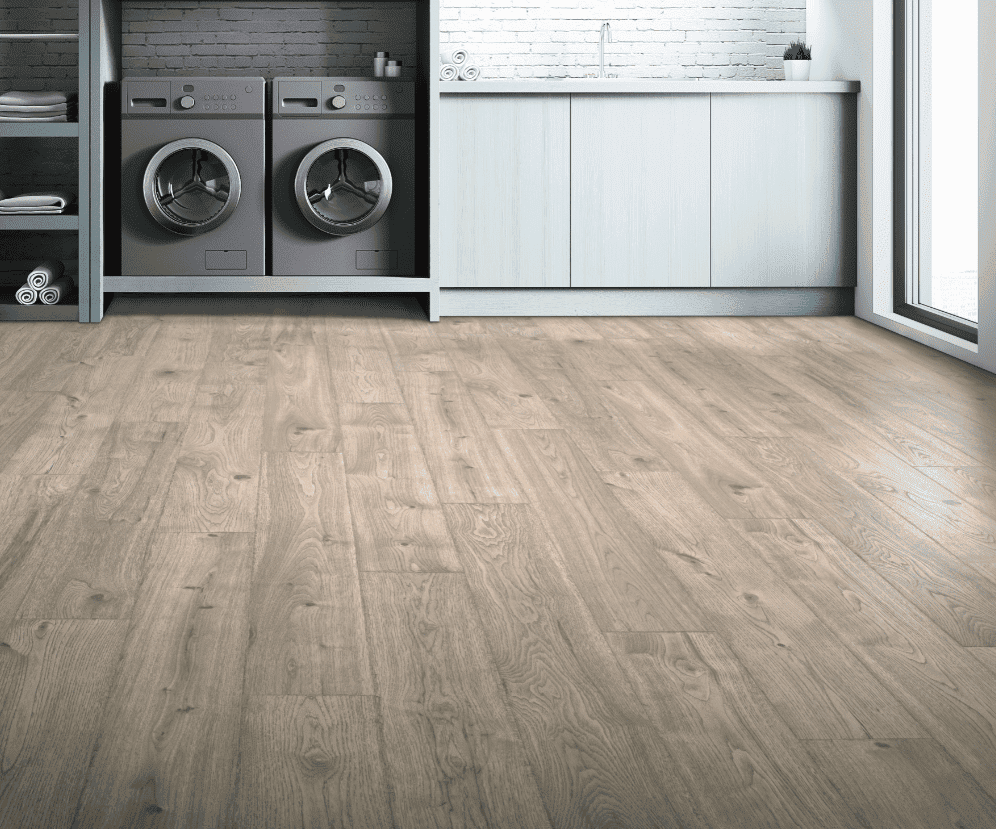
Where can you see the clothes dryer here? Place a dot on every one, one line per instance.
(193, 176)
(343, 188)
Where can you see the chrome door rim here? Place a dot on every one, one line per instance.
(169, 222)
(342, 228)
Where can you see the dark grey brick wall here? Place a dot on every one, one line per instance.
(39, 65)
(275, 38)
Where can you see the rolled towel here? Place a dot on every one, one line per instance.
(469, 73)
(54, 293)
(448, 72)
(45, 273)
(458, 57)
(26, 295)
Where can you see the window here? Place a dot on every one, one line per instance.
(936, 180)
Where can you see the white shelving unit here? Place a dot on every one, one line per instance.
(77, 223)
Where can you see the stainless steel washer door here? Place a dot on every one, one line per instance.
(191, 186)
(343, 186)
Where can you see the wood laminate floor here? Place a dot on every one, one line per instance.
(313, 562)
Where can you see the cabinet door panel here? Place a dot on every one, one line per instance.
(640, 191)
(783, 191)
(505, 191)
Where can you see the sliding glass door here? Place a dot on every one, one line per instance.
(938, 56)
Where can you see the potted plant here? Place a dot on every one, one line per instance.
(797, 61)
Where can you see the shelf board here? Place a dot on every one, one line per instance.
(39, 36)
(268, 284)
(12, 311)
(40, 222)
(39, 129)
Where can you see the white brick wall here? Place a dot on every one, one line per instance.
(664, 39)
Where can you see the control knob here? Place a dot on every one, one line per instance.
(338, 102)
(186, 102)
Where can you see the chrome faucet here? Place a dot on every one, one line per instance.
(601, 47)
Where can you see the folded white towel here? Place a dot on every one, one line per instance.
(448, 72)
(26, 295)
(469, 73)
(457, 57)
(51, 119)
(45, 273)
(40, 99)
(52, 109)
(55, 201)
(53, 294)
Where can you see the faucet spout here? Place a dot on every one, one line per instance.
(606, 29)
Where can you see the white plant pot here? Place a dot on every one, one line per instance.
(797, 70)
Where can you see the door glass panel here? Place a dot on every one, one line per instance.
(344, 185)
(948, 162)
(192, 186)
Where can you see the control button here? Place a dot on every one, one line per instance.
(339, 88)
(338, 102)
(215, 97)
(207, 97)
(207, 106)
(357, 97)
(367, 107)
(366, 97)
(248, 89)
(359, 107)
(187, 102)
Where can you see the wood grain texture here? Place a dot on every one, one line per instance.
(239, 351)
(459, 448)
(360, 368)
(624, 580)
(732, 751)
(637, 222)
(973, 485)
(27, 507)
(306, 615)
(717, 471)
(311, 762)
(95, 547)
(300, 410)
(453, 754)
(413, 348)
(507, 224)
(72, 429)
(762, 148)
(955, 596)
(594, 750)
(54, 681)
(504, 396)
(215, 484)
(397, 516)
(903, 784)
(948, 691)
(166, 383)
(814, 682)
(19, 418)
(170, 731)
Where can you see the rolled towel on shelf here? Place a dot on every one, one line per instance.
(45, 273)
(448, 72)
(53, 294)
(469, 73)
(26, 295)
(458, 57)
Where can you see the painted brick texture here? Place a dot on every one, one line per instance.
(269, 39)
(37, 65)
(665, 39)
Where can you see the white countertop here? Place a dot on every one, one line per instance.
(647, 86)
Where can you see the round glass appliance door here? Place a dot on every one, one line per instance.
(343, 186)
(191, 186)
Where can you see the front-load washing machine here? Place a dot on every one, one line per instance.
(193, 176)
(343, 188)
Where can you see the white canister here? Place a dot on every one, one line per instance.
(380, 64)
(393, 69)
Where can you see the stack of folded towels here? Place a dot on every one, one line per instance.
(456, 66)
(46, 282)
(38, 106)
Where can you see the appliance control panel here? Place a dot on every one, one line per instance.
(193, 97)
(342, 98)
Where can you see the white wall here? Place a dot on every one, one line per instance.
(852, 39)
(663, 39)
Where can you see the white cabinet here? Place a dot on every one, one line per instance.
(639, 191)
(783, 190)
(505, 191)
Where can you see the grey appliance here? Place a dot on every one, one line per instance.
(343, 188)
(193, 176)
